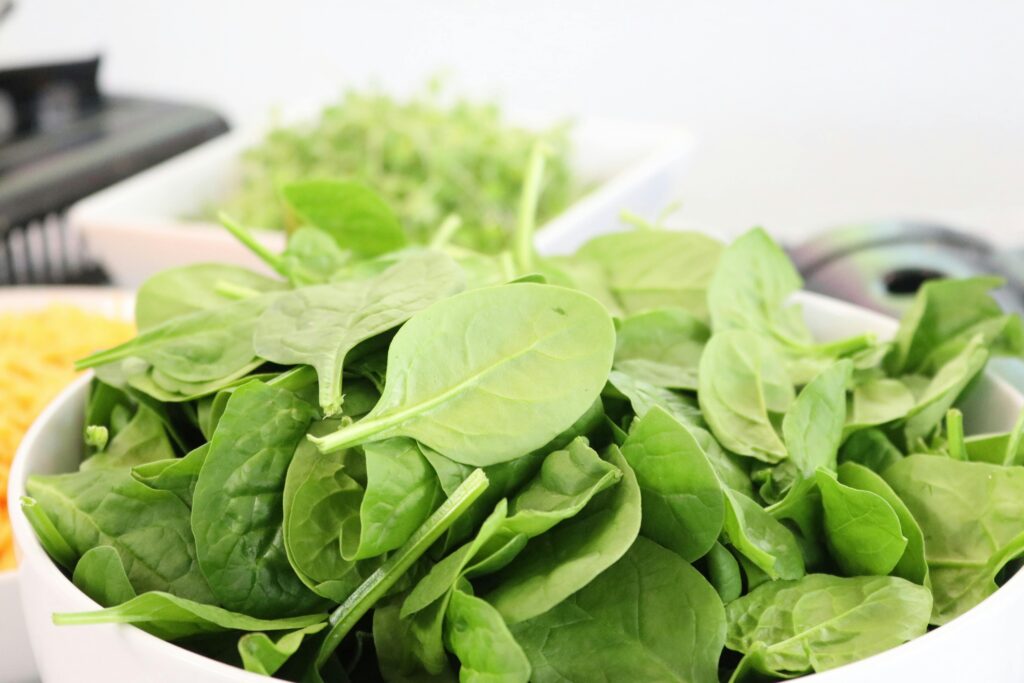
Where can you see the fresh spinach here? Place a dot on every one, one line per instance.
(517, 365)
(91, 508)
(972, 518)
(661, 347)
(819, 622)
(596, 634)
(646, 269)
(743, 381)
(101, 575)
(351, 213)
(172, 618)
(863, 531)
(558, 563)
(237, 504)
(320, 325)
(682, 501)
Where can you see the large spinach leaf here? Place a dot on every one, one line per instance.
(515, 366)
(319, 325)
(237, 504)
(93, 508)
(972, 518)
(630, 623)
(682, 502)
(661, 347)
(819, 622)
(355, 216)
(647, 269)
(743, 381)
(196, 287)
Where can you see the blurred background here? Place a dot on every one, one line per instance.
(806, 114)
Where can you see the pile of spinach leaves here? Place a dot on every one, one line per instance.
(420, 463)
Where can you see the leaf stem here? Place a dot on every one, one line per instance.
(1013, 446)
(528, 202)
(637, 221)
(381, 581)
(249, 241)
(449, 226)
(955, 434)
(49, 537)
(846, 346)
(233, 291)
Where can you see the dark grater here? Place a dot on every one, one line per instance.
(61, 140)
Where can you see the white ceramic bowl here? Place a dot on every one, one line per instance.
(16, 662)
(138, 226)
(982, 645)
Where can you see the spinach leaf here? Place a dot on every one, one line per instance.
(661, 347)
(863, 531)
(90, 509)
(742, 381)
(201, 347)
(55, 545)
(876, 402)
(394, 568)
(813, 426)
(237, 504)
(312, 257)
(100, 574)
(263, 655)
(516, 365)
(724, 573)
(629, 624)
(749, 288)
(401, 492)
(395, 645)
(944, 388)
(945, 316)
(171, 617)
(477, 635)
(819, 622)
(972, 518)
(177, 475)
(142, 440)
(556, 564)
(349, 212)
(428, 601)
(647, 269)
(568, 479)
(757, 535)
(682, 504)
(643, 396)
(912, 566)
(188, 289)
(319, 325)
(320, 502)
(870, 448)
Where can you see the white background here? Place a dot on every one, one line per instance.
(808, 113)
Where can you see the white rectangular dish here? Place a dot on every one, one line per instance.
(140, 226)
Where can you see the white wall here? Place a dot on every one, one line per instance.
(809, 112)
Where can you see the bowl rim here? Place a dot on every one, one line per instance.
(26, 541)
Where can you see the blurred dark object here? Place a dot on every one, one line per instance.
(61, 140)
(882, 265)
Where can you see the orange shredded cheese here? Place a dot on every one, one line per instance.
(37, 353)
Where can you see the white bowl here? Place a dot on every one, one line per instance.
(138, 226)
(982, 645)
(18, 665)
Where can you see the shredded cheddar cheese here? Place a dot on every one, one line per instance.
(37, 352)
